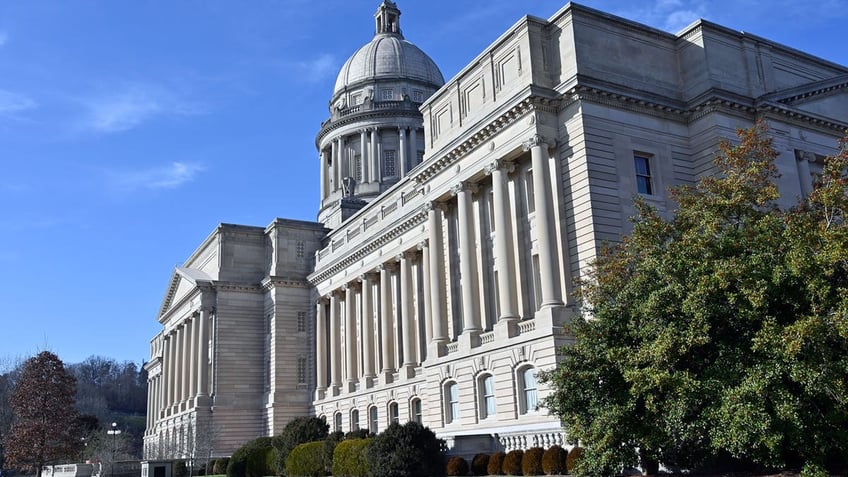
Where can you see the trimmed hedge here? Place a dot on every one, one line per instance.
(512, 462)
(574, 456)
(298, 431)
(456, 466)
(479, 464)
(252, 459)
(410, 450)
(307, 460)
(531, 464)
(495, 465)
(553, 461)
(349, 458)
(220, 466)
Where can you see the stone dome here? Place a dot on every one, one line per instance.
(388, 56)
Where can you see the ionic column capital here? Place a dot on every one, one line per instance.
(464, 186)
(500, 164)
(423, 244)
(538, 140)
(387, 266)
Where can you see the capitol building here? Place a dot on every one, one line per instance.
(454, 218)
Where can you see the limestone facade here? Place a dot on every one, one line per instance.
(438, 295)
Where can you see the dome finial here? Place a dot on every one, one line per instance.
(388, 19)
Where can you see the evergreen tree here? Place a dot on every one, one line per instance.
(722, 330)
(46, 423)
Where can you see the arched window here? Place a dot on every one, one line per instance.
(527, 386)
(486, 396)
(451, 400)
(394, 413)
(415, 411)
(373, 421)
(354, 420)
(337, 422)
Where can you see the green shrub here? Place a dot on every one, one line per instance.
(512, 462)
(252, 459)
(495, 466)
(531, 463)
(479, 464)
(307, 460)
(359, 434)
(180, 469)
(220, 466)
(298, 431)
(456, 466)
(553, 461)
(349, 458)
(574, 456)
(410, 450)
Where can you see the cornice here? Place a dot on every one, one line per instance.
(238, 287)
(415, 218)
(331, 126)
(269, 283)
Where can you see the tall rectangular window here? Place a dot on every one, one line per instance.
(389, 164)
(301, 370)
(488, 396)
(357, 168)
(643, 174)
(301, 321)
(530, 192)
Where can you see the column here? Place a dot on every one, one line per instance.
(424, 247)
(321, 348)
(407, 315)
(375, 163)
(334, 165)
(468, 261)
(551, 295)
(203, 355)
(368, 368)
(363, 158)
(437, 295)
(504, 250)
(387, 348)
(413, 149)
(322, 164)
(172, 382)
(402, 150)
(191, 362)
(345, 160)
(351, 348)
(335, 345)
(804, 175)
(184, 360)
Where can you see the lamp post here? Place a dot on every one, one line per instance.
(114, 431)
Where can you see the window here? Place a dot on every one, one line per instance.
(530, 191)
(418, 96)
(373, 419)
(301, 370)
(300, 247)
(337, 422)
(388, 94)
(357, 168)
(394, 414)
(355, 99)
(301, 322)
(354, 420)
(643, 174)
(389, 164)
(528, 390)
(487, 396)
(452, 402)
(415, 410)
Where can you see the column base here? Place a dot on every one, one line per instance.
(202, 400)
(407, 371)
(386, 377)
(553, 316)
(436, 349)
(350, 386)
(320, 394)
(469, 339)
(505, 329)
(369, 381)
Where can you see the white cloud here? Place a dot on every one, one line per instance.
(13, 103)
(679, 19)
(669, 15)
(169, 176)
(322, 67)
(124, 110)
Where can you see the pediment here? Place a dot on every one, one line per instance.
(183, 282)
(827, 98)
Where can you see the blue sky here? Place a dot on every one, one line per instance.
(129, 130)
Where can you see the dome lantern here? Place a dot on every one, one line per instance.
(388, 19)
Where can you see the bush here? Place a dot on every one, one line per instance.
(553, 461)
(358, 434)
(307, 460)
(512, 462)
(349, 458)
(298, 431)
(220, 466)
(252, 459)
(571, 461)
(495, 466)
(456, 466)
(180, 469)
(409, 450)
(479, 464)
(531, 464)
